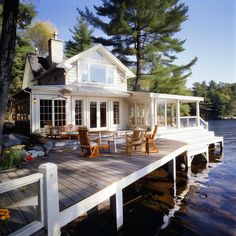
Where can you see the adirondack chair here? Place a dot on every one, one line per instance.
(137, 139)
(151, 138)
(88, 148)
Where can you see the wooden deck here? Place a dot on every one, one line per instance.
(80, 178)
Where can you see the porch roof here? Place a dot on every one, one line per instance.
(169, 97)
(82, 90)
(177, 97)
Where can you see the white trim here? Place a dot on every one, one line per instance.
(100, 48)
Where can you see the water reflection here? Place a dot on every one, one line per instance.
(203, 203)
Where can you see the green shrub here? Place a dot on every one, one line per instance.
(11, 158)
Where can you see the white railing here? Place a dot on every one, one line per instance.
(18, 183)
(188, 121)
(203, 123)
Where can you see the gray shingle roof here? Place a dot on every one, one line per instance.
(39, 63)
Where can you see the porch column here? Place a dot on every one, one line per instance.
(198, 113)
(152, 114)
(177, 114)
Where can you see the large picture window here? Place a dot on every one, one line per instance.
(97, 73)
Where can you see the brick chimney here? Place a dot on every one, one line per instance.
(55, 49)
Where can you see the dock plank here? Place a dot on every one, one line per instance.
(80, 177)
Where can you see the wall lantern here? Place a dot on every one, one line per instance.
(34, 100)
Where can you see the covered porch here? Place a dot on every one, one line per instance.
(165, 110)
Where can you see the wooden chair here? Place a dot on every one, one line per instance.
(88, 148)
(137, 139)
(151, 138)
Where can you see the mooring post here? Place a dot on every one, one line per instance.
(116, 202)
(51, 199)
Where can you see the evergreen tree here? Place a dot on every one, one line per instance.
(81, 38)
(22, 48)
(140, 31)
(219, 99)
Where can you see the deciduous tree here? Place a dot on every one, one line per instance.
(39, 33)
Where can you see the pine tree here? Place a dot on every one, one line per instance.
(81, 38)
(140, 31)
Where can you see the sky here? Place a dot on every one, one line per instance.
(210, 34)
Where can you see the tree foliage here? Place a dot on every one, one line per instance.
(81, 38)
(39, 33)
(219, 99)
(140, 31)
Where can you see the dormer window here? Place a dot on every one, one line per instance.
(96, 73)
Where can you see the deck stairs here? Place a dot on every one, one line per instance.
(198, 140)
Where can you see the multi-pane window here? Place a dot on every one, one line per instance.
(93, 114)
(103, 117)
(52, 112)
(78, 112)
(140, 111)
(45, 112)
(59, 112)
(116, 113)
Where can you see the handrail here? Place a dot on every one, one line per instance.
(17, 183)
(20, 182)
(204, 122)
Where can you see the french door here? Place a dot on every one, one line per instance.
(98, 118)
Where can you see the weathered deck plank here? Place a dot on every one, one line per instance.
(79, 177)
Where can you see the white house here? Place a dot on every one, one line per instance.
(90, 89)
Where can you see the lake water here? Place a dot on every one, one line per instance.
(209, 208)
(203, 204)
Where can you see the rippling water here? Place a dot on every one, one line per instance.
(209, 207)
(204, 203)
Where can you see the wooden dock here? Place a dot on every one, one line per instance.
(84, 183)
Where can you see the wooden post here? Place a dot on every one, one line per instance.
(172, 168)
(51, 199)
(116, 202)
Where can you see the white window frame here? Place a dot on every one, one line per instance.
(53, 110)
(98, 101)
(89, 63)
(119, 107)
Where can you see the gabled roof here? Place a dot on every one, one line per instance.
(99, 47)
